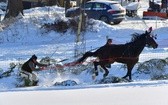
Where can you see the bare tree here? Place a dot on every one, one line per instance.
(67, 4)
(52, 2)
(14, 7)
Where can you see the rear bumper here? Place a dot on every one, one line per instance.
(116, 18)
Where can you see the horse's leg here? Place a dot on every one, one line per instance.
(129, 70)
(95, 68)
(106, 70)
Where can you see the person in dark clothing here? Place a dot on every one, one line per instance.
(150, 29)
(109, 42)
(27, 70)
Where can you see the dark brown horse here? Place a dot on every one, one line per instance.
(123, 53)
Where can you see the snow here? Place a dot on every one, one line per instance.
(133, 6)
(143, 93)
(24, 37)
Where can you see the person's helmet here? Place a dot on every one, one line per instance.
(150, 29)
(34, 57)
(109, 40)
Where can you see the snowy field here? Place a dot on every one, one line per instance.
(25, 37)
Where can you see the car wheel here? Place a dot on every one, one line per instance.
(104, 19)
(117, 22)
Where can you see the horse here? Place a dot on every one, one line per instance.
(127, 53)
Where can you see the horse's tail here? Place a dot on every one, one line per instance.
(86, 55)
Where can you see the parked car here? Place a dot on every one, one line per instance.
(107, 11)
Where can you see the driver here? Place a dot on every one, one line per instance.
(27, 70)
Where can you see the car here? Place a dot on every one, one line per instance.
(107, 11)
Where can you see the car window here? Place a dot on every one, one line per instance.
(99, 6)
(88, 6)
(115, 6)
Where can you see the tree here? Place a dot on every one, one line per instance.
(14, 8)
(67, 4)
(52, 2)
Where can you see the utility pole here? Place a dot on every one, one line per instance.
(80, 42)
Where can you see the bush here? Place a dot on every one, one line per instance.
(155, 68)
(63, 26)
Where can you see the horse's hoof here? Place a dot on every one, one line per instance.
(126, 79)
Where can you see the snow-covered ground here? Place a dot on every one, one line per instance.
(144, 93)
(25, 37)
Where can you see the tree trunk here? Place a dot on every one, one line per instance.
(52, 2)
(14, 8)
(67, 4)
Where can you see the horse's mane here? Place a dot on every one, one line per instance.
(135, 37)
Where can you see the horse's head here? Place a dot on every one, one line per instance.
(150, 40)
